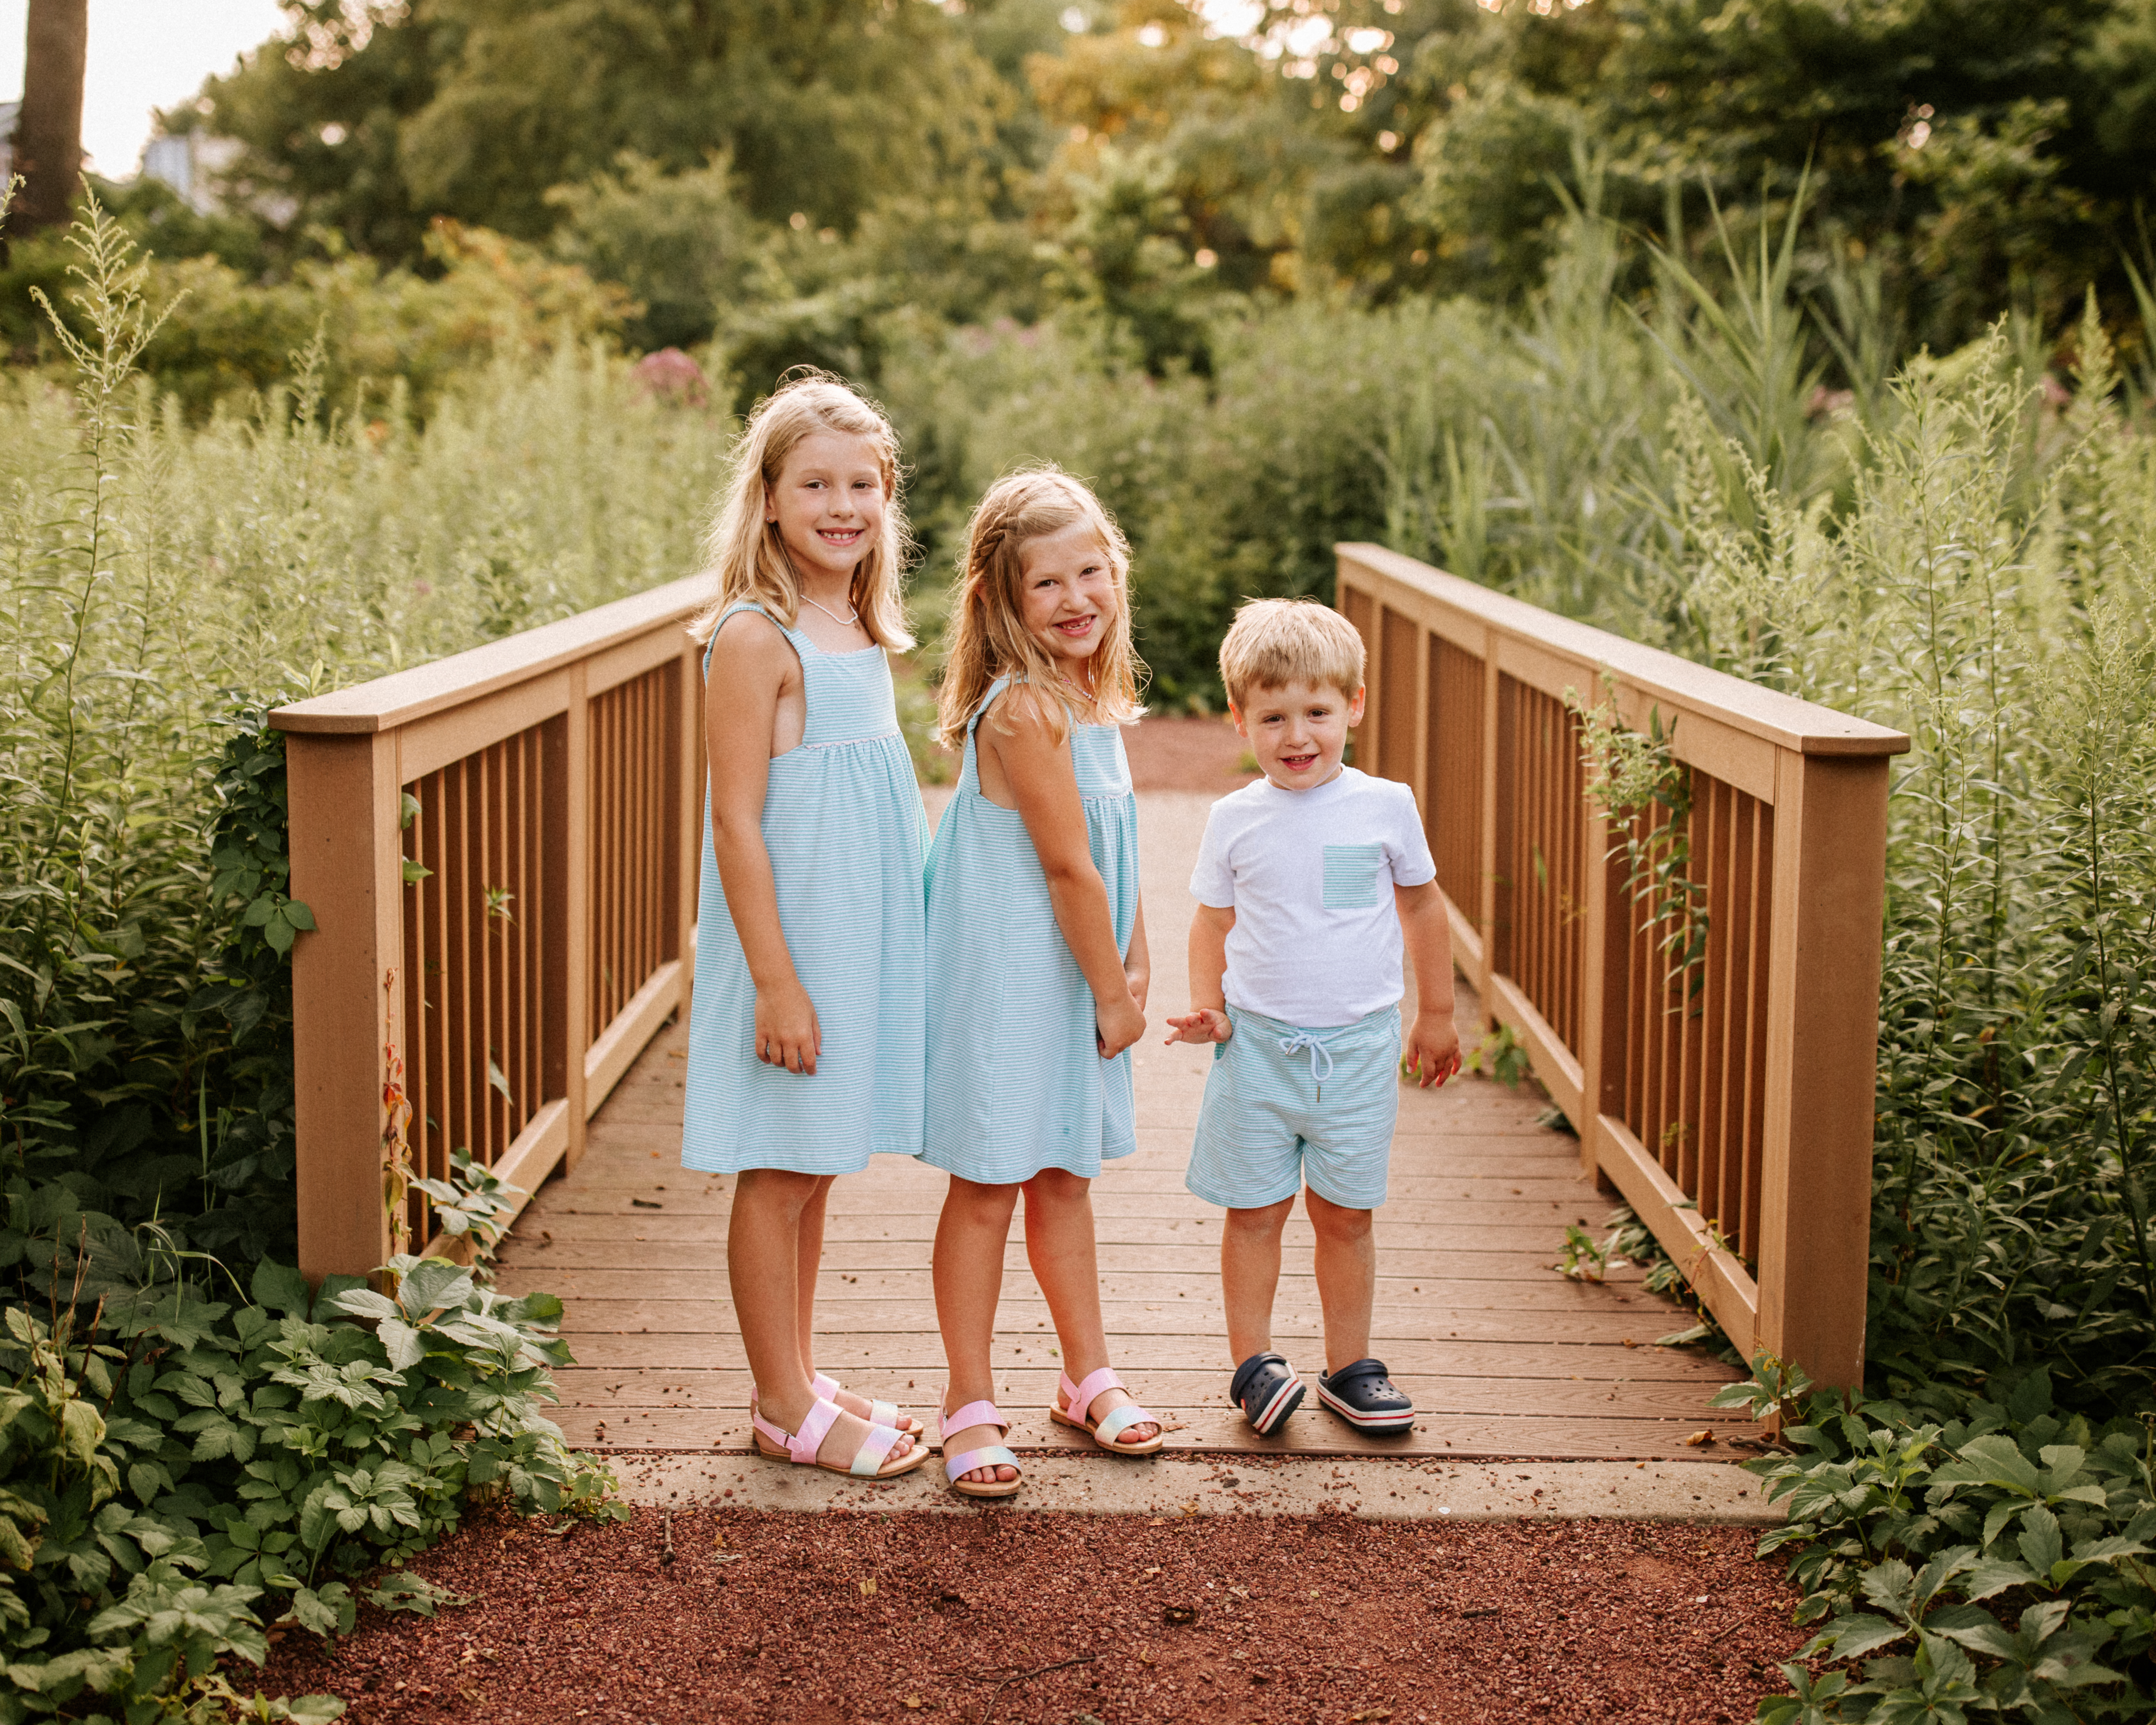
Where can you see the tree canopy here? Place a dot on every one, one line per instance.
(787, 172)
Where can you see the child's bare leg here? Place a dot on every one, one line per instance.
(811, 1260)
(808, 1237)
(970, 1282)
(1060, 1245)
(1347, 1278)
(1249, 1276)
(766, 1266)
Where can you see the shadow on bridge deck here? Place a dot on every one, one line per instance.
(1503, 1356)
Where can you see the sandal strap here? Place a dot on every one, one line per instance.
(988, 1455)
(802, 1445)
(879, 1413)
(1114, 1426)
(981, 1413)
(874, 1451)
(1078, 1397)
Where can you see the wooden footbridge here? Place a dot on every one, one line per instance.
(521, 997)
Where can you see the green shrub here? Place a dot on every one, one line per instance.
(231, 332)
(181, 1471)
(1991, 1553)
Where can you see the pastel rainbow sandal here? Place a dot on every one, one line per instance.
(1109, 1427)
(879, 1414)
(870, 1462)
(982, 1413)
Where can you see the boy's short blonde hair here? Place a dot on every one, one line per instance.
(1275, 642)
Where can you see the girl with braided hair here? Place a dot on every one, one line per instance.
(1037, 964)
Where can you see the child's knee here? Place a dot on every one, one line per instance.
(1337, 1222)
(1260, 1224)
(979, 1202)
(1057, 1188)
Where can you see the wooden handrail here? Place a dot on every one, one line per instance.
(500, 850)
(1729, 1101)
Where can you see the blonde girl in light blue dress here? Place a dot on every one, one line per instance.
(1037, 961)
(805, 1028)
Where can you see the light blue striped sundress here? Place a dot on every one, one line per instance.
(1016, 1083)
(844, 823)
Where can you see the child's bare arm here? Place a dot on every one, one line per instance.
(1432, 1050)
(1207, 1020)
(1137, 960)
(751, 666)
(1037, 767)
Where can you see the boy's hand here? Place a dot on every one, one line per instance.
(1206, 1024)
(1432, 1049)
(1141, 984)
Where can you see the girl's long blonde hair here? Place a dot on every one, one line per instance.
(744, 551)
(988, 637)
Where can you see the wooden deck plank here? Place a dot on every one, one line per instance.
(918, 1348)
(676, 1319)
(1168, 1391)
(1466, 1438)
(1503, 1356)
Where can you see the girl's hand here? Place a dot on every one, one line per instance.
(787, 1033)
(1205, 1024)
(1432, 1049)
(1117, 1026)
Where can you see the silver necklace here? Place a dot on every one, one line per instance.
(851, 619)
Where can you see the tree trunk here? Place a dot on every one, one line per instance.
(49, 130)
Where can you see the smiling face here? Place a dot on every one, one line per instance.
(1067, 595)
(828, 502)
(1299, 732)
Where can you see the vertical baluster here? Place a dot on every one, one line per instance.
(418, 985)
(1758, 935)
(471, 1073)
(1709, 865)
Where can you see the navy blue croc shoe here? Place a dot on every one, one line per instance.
(1267, 1389)
(1362, 1395)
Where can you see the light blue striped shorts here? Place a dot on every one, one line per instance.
(1285, 1106)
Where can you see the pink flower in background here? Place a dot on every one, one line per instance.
(672, 377)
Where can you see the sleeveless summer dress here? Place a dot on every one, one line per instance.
(844, 823)
(1016, 1083)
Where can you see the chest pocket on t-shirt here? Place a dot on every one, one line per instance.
(1351, 875)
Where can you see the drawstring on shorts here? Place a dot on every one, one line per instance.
(1302, 1040)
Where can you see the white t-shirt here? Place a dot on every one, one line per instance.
(1310, 876)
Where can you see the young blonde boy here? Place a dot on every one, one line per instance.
(1308, 882)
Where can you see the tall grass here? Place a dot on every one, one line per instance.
(158, 582)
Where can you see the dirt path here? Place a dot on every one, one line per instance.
(862, 1618)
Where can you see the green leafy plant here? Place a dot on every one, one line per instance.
(473, 1205)
(1985, 1557)
(181, 1470)
(1647, 795)
(1501, 1055)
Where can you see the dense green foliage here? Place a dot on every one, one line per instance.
(1958, 1529)
(1010, 158)
(163, 585)
(181, 1471)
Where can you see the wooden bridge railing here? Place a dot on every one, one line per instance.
(500, 850)
(1730, 1101)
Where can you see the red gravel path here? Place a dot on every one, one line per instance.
(836, 1619)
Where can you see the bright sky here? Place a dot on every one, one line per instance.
(143, 54)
